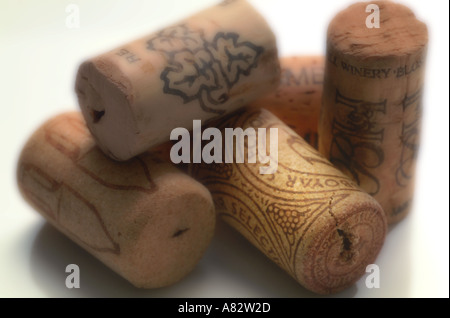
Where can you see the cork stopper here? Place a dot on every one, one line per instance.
(400, 32)
(370, 120)
(307, 216)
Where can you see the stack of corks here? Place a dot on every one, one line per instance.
(103, 177)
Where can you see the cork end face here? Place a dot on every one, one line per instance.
(399, 33)
(106, 109)
(175, 239)
(339, 254)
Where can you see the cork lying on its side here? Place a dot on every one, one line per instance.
(203, 67)
(307, 217)
(144, 219)
(372, 101)
(298, 98)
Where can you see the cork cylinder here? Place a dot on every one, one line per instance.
(145, 219)
(298, 98)
(372, 100)
(307, 217)
(203, 67)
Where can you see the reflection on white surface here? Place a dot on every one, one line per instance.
(231, 267)
(38, 71)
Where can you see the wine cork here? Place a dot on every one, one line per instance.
(307, 217)
(203, 67)
(298, 99)
(145, 219)
(372, 101)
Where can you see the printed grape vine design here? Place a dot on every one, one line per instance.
(203, 71)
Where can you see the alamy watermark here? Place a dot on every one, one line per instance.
(373, 19)
(212, 151)
(73, 279)
(73, 16)
(373, 279)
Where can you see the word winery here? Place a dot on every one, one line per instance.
(212, 151)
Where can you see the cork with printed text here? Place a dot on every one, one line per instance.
(298, 97)
(370, 119)
(306, 216)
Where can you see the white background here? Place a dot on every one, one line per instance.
(39, 58)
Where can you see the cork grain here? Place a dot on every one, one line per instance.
(143, 218)
(370, 119)
(307, 217)
(298, 97)
(203, 67)
(400, 32)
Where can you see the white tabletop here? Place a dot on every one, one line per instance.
(40, 53)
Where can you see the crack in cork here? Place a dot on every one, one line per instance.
(97, 115)
(179, 232)
(347, 251)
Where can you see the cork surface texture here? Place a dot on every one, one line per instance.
(370, 122)
(307, 217)
(46, 44)
(145, 219)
